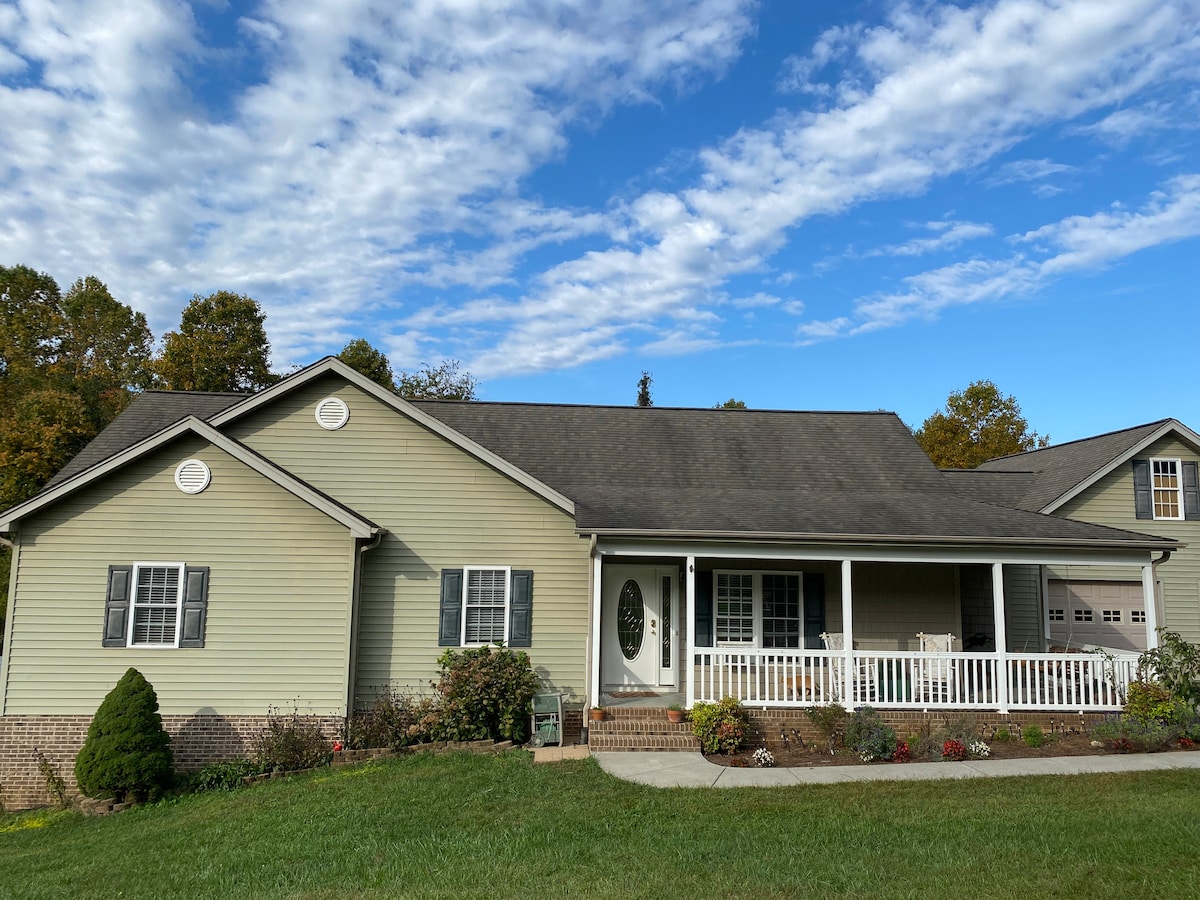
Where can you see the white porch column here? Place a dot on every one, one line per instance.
(689, 654)
(1150, 601)
(848, 634)
(1001, 637)
(594, 699)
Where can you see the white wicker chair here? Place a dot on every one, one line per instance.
(935, 679)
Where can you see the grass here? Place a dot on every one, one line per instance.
(459, 826)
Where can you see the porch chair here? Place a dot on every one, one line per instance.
(936, 678)
(866, 687)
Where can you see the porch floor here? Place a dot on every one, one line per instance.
(640, 699)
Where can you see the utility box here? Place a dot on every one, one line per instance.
(547, 720)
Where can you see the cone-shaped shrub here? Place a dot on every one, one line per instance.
(127, 752)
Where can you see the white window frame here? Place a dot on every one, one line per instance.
(181, 568)
(466, 589)
(756, 590)
(1177, 465)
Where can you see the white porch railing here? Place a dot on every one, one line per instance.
(1078, 682)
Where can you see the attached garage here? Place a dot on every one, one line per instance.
(1100, 613)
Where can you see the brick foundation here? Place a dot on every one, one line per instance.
(196, 741)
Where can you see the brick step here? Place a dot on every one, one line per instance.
(642, 742)
(640, 728)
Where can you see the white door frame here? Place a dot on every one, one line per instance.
(646, 670)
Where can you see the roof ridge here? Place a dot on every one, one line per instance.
(651, 409)
(1083, 440)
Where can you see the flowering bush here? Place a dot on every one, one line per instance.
(869, 737)
(720, 727)
(763, 758)
(901, 753)
(979, 749)
(1185, 743)
(954, 751)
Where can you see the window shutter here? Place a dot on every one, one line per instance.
(520, 609)
(1191, 491)
(195, 606)
(704, 609)
(1143, 500)
(450, 614)
(116, 607)
(814, 609)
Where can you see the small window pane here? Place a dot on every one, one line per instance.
(1112, 615)
(1137, 616)
(1057, 615)
(1083, 615)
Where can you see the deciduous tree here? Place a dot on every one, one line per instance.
(221, 345)
(731, 403)
(362, 357)
(977, 424)
(445, 381)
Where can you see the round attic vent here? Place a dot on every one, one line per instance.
(192, 476)
(332, 413)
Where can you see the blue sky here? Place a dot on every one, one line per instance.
(801, 205)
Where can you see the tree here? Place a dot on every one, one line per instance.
(40, 434)
(362, 357)
(978, 424)
(731, 404)
(643, 395)
(30, 322)
(221, 345)
(126, 751)
(441, 382)
(104, 350)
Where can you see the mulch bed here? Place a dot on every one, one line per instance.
(811, 754)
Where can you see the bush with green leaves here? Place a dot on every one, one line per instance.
(127, 753)
(869, 737)
(830, 722)
(1128, 734)
(224, 776)
(483, 693)
(1150, 702)
(290, 742)
(720, 727)
(395, 720)
(1175, 665)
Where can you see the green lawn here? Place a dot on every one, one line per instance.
(461, 826)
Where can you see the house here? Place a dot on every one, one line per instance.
(314, 542)
(1141, 479)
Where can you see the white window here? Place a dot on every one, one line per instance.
(1167, 488)
(1058, 615)
(759, 609)
(156, 603)
(1083, 615)
(1110, 615)
(1137, 616)
(485, 605)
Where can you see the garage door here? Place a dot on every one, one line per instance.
(1104, 613)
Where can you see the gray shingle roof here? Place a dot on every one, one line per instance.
(1060, 468)
(149, 413)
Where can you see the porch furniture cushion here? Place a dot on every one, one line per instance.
(936, 643)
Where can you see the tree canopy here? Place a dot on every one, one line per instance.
(359, 355)
(643, 394)
(445, 381)
(976, 425)
(731, 403)
(221, 345)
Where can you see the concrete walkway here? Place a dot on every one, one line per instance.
(693, 770)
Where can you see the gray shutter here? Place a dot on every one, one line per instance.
(116, 606)
(704, 610)
(1191, 491)
(520, 609)
(195, 606)
(1143, 498)
(450, 613)
(814, 609)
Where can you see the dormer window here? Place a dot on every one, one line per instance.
(1168, 500)
(1166, 489)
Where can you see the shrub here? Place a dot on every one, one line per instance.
(484, 693)
(394, 720)
(720, 727)
(290, 742)
(224, 776)
(127, 752)
(1150, 702)
(869, 737)
(1175, 664)
(1002, 734)
(1129, 734)
(830, 722)
(954, 751)
(1034, 736)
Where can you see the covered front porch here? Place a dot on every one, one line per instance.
(779, 625)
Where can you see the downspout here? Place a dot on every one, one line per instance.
(591, 681)
(352, 661)
(1154, 564)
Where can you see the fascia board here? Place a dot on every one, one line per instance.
(358, 526)
(438, 427)
(1173, 425)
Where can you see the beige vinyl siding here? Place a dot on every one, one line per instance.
(895, 601)
(1022, 609)
(1110, 502)
(278, 604)
(442, 508)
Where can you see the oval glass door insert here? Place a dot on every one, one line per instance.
(631, 619)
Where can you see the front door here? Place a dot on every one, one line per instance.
(640, 630)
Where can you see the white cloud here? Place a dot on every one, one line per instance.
(1075, 244)
(1028, 170)
(949, 235)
